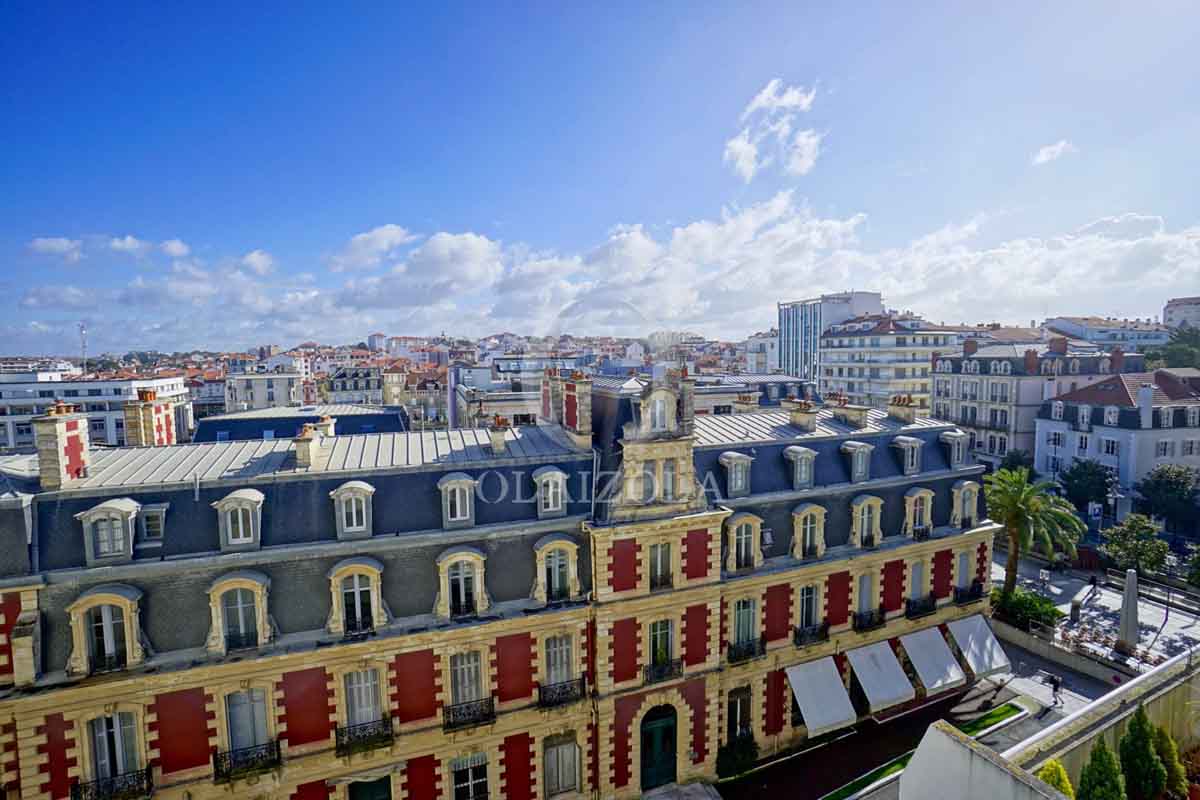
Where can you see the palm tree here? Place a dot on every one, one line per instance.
(1031, 515)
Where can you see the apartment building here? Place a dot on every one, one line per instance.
(802, 323)
(358, 384)
(372, 616)
(762, 352)
(250, 390)
(872, 358)
(207, 393)
(994, 392)
(24, 396)
(1131, 334)
(1178, 312)
(1130, 423)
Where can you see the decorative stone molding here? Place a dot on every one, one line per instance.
(732, 526)
(476, 560)
(964, 506)
(860, 460)
(259, 585)
(123, 511)
(737, 472)
(804, 462)
(857, 514)
(462, 487)
(551, 483)
(910, 509)
(801, 515)
(360, 565)
(125, 598)
(910, 453)
(247, 505)
(344, 497)
(956, 447)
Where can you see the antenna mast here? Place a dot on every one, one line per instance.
(83, 345)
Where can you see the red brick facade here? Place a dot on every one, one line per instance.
(696, 551)
(10, 609)
(775, 699)
(837, 598)
(943, 561)
(625, 644)
(891, 597)
(695, 634)
(182, 730)
(623, 565)
(309, 712)
(515, 659)
(982, 563)
(60, 741)
(516, 766)
(415, 686)
(422, 779)
(777, 612)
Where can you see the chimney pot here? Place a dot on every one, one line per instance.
(970, 347)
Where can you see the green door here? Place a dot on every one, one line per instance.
(371, 790)
(658, 747)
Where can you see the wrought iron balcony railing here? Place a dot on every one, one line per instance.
(358, 629)
(921, 533)
(920, 606)
(810, 634)
(561, 595)
(744, 651)
(134, 785)
(466, 715)
(108, 663)
(241, 641)
(972, 594)
(229, 765)
(868, 620)
(663, 671)
(560, 694)
(363, 737)
(660, 581)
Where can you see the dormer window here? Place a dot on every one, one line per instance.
(802, 459)
(105, 634)
(1105, 366)
(109, 531)
(956, 446)
(743, 550)
(1193, 417)
(1166, 417)
(808, 531)
(658, 414)
(352, 503)
(458, 500)
(866, 512)
(1056, 409)
(1073, 366)
(551, 490)
(462, 592)
(737, 473)
(860, 460)
(239, 516)
(910, 453)
(557, 577)
(964, 505)
(1084, 415)
(357, 606)
(918, 512)
(1112, 415)
(239, 612)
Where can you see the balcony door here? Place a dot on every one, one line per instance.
(658, 747)
(246, 712)
(114, 745)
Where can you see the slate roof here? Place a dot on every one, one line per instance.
(284, 412)
(773, 426)
(248, 460)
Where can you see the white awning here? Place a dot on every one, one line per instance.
(881, 676)
(934, 662)
(979, 646)
(821, 696)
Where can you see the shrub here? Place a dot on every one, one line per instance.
(1101, 777)
(1145, 775)
(1191, 764)
(737, 756)
(1177, 781)
(1053, 774)
(1023, 606)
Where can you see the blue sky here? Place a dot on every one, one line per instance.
(222, 177)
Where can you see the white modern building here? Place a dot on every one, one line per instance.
(298, 363)
(872, 358)
(1180, 311)
(25, 396)
(762, 352)
(262, 390)
(1130, 423)
(376, 342)
(801, 323)
(1131, 334)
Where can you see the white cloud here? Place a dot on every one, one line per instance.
(1052, 152)
(769, 133)
(71, 250)
(260, 262)
(175, 248)
(371, 248)
(130, 245)
(63, 298)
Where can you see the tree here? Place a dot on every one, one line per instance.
(1031, 515)
(1177, 782)
(1134, 544)
(1100, 778)
(1170, 492)
(1145, 775)
(1016, 459)
(1085, 481)
(1053, 774)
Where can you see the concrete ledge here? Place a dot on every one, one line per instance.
(1103, 671)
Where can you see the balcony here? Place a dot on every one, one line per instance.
(364, 737)
(241, 641)
(973, 594)
(358, 629)
(561, 694)
(661, 582)
(664, 671)
(229, 765)
(744, 651)
(921, 533)
(804, 636)
(556, 596)
(918, 607)
(108, 663)
(868, 620)
(126, 786)
(870, 542)
(469, 714)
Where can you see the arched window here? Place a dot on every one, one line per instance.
(462, 589)
(920, 511)
(866, 523)
(557, 578)
(550, 482)
(658, 414)
(114, 745)
(808, 533)
(744, 544)
(106, 625)
(240, 613)
(239, 516)
(357, 604)
(105, 634)
(558, 582)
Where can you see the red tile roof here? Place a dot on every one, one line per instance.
(1170, 388)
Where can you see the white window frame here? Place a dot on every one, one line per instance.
(364, 703)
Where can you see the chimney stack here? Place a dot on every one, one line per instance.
(325, 426)
(149, 422)
(63, 447)
(1031, 362)
(801, 414)
(577, 408)
(1117, 360)
(745, 404)
(970, 347)
(1145, 401)
(308, 445)
(497, 431)
(1059, 345)
(901, 408)
(556, 397)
